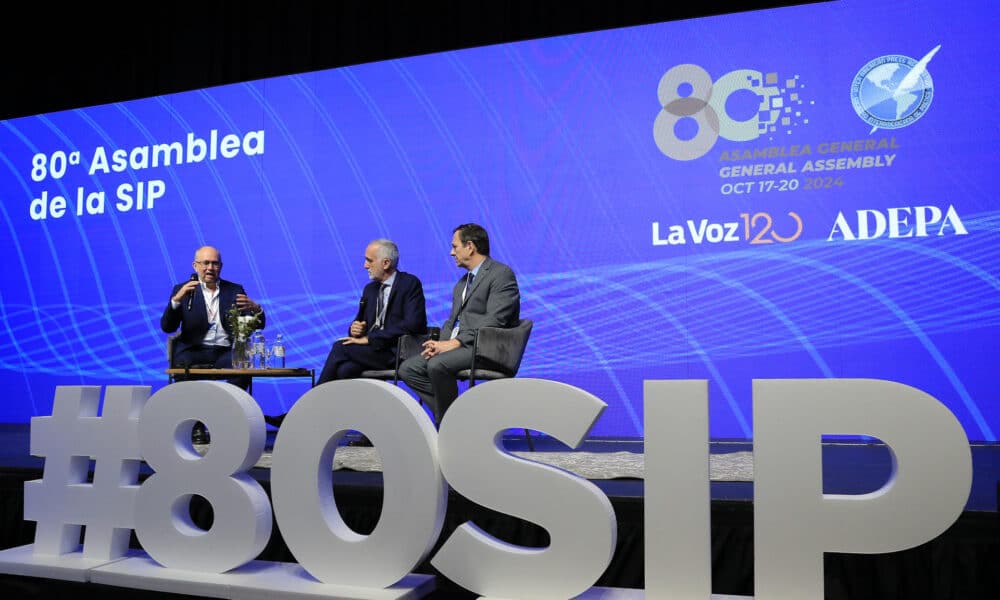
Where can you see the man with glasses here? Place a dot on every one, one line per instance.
(392, 305)
(200, 307)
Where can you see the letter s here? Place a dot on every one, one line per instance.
(577, 515)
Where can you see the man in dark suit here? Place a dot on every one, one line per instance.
(200, 308)
(486, 296)
(392, 305)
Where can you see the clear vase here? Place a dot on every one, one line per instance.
(242, 354)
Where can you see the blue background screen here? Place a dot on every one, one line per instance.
(804, 192)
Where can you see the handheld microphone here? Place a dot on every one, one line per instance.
(361, 309)
(194, 277)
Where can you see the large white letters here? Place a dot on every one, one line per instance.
(241, 518)
(795, 522)
(677, 500)
(414, 496)
(577, 515)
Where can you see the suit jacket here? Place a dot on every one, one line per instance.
(493, 301)
(405, 311)
(194, 322)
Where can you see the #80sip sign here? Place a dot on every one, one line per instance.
(794, 521)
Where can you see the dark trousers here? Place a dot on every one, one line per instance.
(213, 357)
(347, 362)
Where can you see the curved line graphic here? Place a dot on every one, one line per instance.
(641, 147)
(398, 149)
(178, 187)
(906, 320)
(15, 339)
(595, 350)
(699, 351)
(269, 192)
(155, 334)
(597, 191)
(453, 148)
(123, 345)
(227, 199)
(345, 149)
(519, 165)
(52, 250)
(272, 197)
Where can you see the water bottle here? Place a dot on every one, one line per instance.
(259, 356)
(278, 353)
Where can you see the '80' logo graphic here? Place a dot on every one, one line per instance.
(690, 100)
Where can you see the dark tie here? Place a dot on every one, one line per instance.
(468, 285)
(465, 292)
(380, 305)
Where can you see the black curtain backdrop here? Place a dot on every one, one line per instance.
(70, 55)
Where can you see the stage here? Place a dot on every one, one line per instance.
(961, 563)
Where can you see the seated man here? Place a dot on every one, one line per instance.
(392, 305)
(199, 307)
(486, 296)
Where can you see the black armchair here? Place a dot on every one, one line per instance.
(170, 354)
(497, 354)
(173, 364)
(407, 346)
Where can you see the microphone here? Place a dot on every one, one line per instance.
(194, 277)
(361, 309)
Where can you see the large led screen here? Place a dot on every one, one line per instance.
(803, 192)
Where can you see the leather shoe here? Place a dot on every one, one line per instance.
(199, 435)
(275, 420)
(363, 442)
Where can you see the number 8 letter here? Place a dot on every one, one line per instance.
(241, 523)
(676, 107)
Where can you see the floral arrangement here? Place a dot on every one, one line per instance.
(241, 326)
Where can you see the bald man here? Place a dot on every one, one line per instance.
(199, 307)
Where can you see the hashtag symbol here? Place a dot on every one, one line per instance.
(62, 500)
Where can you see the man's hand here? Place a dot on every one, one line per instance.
(354, 340)
(185, 289)
(358, 328)
(432, 348)
(244, 303)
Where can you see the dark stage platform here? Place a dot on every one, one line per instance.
(959, 564)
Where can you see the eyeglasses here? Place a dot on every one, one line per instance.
(208, 263)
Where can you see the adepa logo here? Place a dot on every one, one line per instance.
(740, 106)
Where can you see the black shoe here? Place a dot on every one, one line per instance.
(363, 442)
(199, 435)
(275, 420)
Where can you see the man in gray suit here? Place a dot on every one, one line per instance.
(486, 296)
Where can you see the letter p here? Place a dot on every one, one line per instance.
(795, 522)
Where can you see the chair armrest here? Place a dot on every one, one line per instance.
(170, 349)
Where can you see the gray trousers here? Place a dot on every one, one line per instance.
(434, 380)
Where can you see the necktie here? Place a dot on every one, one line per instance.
(468, 285)
(465, 292)
(380, 306)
